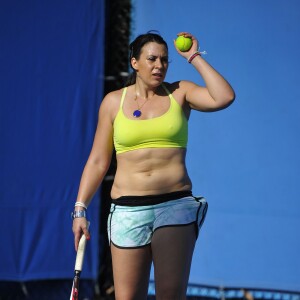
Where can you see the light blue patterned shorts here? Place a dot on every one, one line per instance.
(132, 226)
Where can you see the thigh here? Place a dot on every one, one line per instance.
(131, 271)
(172, 250)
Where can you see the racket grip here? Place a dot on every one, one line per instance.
(81, 251)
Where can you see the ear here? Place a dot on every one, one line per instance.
(134, 63)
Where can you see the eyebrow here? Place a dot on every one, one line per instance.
(153, 55)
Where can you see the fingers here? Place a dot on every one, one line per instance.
(86, 233)
(80, 227)
(185, 34)
(76, 240)
(194, 47)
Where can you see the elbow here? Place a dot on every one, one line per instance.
(102, 164)
(232, 95)
(225, 101)
(229, 98)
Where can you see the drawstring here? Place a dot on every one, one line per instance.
(198, 198)
(111, 213)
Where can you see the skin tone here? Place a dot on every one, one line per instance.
(151, 171)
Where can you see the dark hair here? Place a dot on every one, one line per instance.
(136, 47)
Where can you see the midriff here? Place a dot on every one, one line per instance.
(150, 171)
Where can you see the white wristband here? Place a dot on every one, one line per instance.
(81, 204)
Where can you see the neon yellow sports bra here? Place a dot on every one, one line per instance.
(169, 130)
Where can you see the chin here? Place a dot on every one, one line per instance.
(158, 81)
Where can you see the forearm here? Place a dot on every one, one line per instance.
(217, 86)
(91, 179)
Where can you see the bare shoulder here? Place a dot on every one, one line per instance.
(112, 98)
(179, 89)
(111, 103)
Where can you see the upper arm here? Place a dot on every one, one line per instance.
(102, 149)
(199, 98)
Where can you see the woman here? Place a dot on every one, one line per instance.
(154, 217)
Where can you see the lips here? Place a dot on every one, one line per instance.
(160, 75)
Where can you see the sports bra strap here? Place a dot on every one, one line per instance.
(123, 97)
(168, 92)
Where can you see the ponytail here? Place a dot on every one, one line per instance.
(131, 79)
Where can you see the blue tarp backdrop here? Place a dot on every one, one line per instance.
(244, 160)
(51, 85)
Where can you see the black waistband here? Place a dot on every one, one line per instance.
(150, 199)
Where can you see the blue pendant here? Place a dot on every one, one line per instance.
(137, 113)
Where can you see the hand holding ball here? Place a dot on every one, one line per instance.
(183, 43)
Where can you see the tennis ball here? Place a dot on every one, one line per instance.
(183, 43)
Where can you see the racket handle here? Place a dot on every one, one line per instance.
(80, 252)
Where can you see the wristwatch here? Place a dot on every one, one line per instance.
(78, 214)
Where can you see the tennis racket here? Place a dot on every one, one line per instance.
(78, 266)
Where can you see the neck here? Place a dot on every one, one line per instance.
(143, 91)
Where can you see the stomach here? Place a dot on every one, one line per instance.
(151, 171)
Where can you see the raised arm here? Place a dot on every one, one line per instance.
(217, 93)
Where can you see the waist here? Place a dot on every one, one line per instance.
(150, 199)
(151, 172)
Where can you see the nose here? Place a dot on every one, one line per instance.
(159, 64)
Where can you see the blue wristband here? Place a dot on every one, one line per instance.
(78, 214)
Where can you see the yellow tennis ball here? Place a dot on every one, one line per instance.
(183, 43)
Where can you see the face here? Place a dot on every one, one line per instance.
(152, 64)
